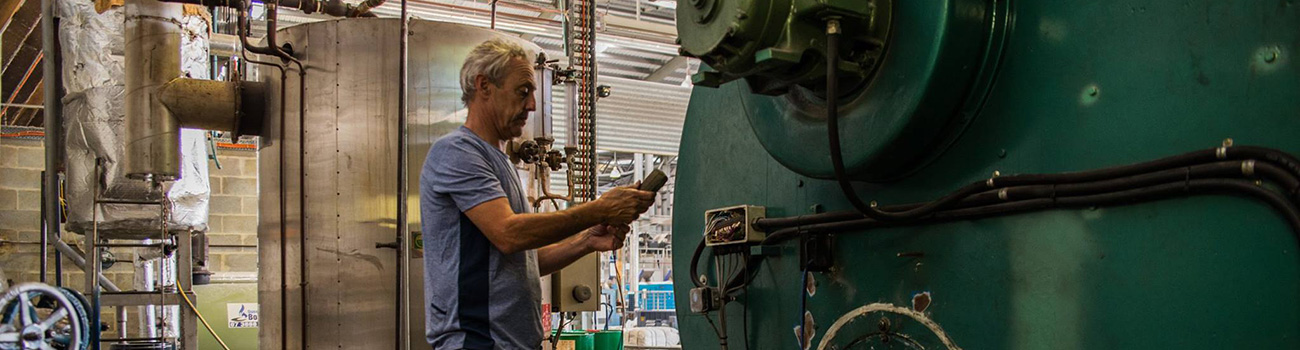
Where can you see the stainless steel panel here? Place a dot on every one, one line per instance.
(367, 115)
(351, 158)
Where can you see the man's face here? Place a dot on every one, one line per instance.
(512, 101)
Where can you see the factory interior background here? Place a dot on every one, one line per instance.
(838, 174)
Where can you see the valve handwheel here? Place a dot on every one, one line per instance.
(25, 326)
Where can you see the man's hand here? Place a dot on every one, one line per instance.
(601, 238)
(623, 205)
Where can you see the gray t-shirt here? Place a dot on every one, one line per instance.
(477, 297)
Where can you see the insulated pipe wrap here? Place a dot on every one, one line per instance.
(95, 125)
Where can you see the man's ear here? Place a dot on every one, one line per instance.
(483, 85)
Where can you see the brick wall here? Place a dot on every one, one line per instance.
(232, 218)
(232, 221)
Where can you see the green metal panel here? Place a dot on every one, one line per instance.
(1080, 86)
(214, 302)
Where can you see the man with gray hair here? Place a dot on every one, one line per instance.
(483, 251)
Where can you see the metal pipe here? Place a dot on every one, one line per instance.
(224, 45)
(152, 338)
(153, 39)
(121, 321)
(22, 105)
(202, 104)
(93, 252)
(571, 103)
(45, 233)
(544, 178)
(242, 15)
(80, 262)
(282, 193)
(639, 171)
(125, 201)
(404, 243)
(272, 27)
(148, 313)
(58, 265)
(132, 245)
(53, 73)
(363, 9)
(242, 22)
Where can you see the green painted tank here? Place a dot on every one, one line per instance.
(940, 94)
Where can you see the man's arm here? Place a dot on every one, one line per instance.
(512, 233)
(598, 238)
(554, 257)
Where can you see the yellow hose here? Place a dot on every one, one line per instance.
(205, 321)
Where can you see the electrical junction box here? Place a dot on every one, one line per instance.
(733, 225)
(704, 299)
(577, 287)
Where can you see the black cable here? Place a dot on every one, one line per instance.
(555, 338)
(1246, 168)
(1189, 187)
(1286, 162)
(751, 264)
(723, 285)
(706, 317)
(833, 117)
(695, 263)
(608, 313)
(1283, 162)
(744, 321)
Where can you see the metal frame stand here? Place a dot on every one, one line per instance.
(165, 296)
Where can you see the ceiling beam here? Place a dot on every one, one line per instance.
(633, 24)
(35, 98)
(7, 12)
(668, 69)
(20, 39)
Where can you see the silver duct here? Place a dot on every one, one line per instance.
(153, 41)
(96, 127)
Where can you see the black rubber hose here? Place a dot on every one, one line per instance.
(1189, 187)
(1275, 165)
(1051, 191)
(1031, 198)
(833, 120)
(1285, 161)
(1281, 159)
(977, 199)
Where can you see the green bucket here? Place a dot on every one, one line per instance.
(609, 340)
(575, 340)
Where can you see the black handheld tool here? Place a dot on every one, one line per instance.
(654, 181)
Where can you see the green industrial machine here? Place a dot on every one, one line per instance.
(1019, 174)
